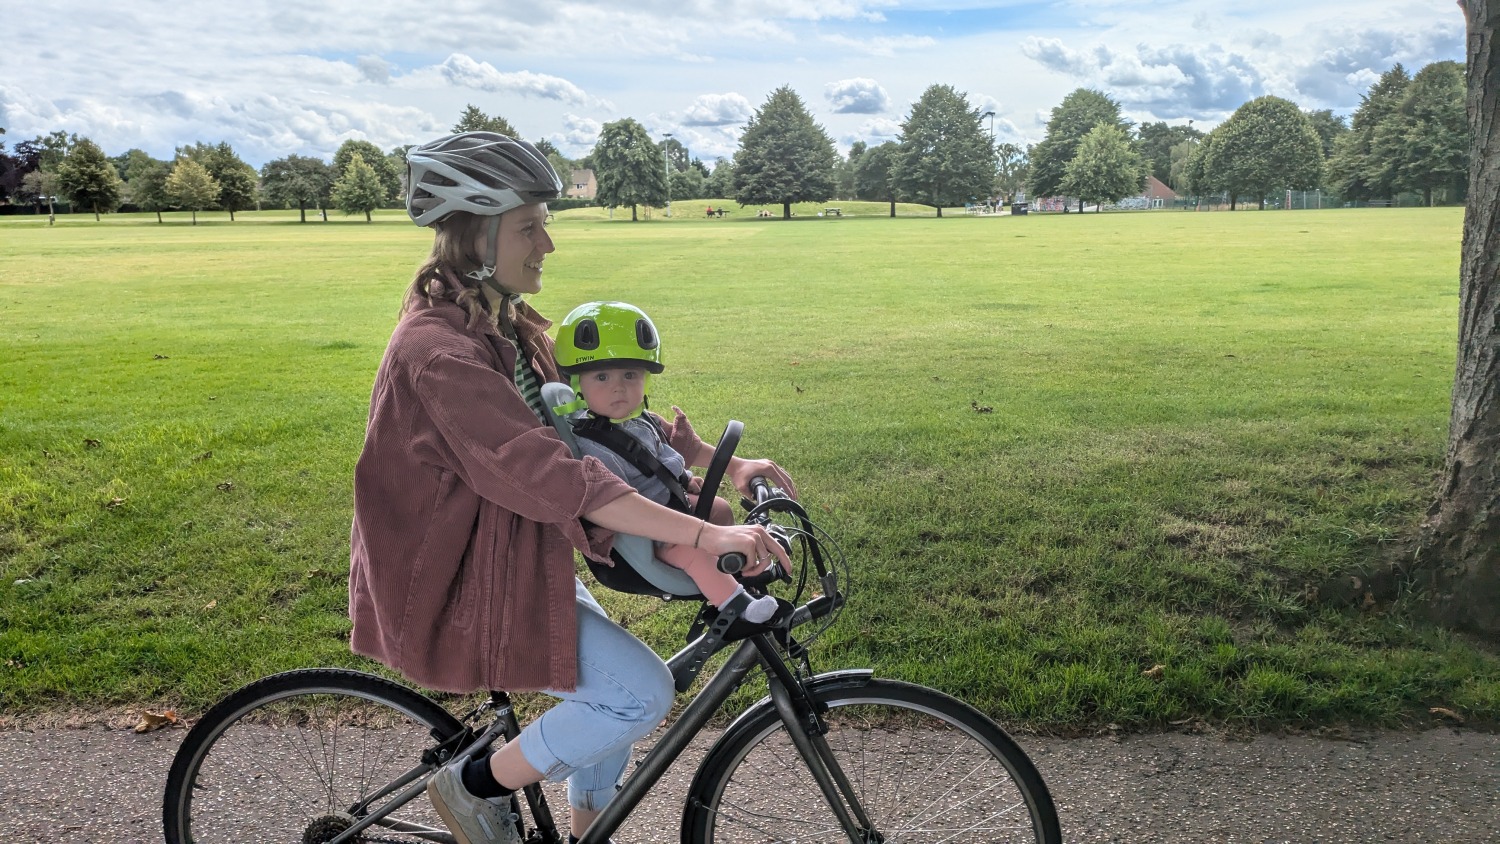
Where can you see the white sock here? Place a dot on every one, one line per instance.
(761, 609)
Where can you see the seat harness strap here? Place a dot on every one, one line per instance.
(603, 432)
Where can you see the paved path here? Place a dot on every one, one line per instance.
(99, 785)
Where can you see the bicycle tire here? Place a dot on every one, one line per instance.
(284, 758)
(926, 766)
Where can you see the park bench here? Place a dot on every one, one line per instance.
(833, 212)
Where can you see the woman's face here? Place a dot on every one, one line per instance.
(524, 244)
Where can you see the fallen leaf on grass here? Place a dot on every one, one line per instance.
(1369, 602)
(1444, 712)
(979, 408)
(204, 456)
(153, 721)
(226, 486)
(159, 357)
(115, 502)
(1155, 672)
(211, 604)
(87, 443)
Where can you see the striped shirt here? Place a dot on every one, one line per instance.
(525, 376)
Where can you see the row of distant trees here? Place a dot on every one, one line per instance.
(1408, 135)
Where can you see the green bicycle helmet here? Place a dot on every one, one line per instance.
(601, 335)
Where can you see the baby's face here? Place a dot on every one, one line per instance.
(613, 393)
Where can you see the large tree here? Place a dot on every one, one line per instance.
(1155, 142)
(628, 167)
(1329, 126)
(1267, 144)
(237, 180)
(88, 178)
(872, 175)
(1458, 555)
(390, 177)
(190, 187)
(297, 181)
(784, 156)
(1354, 172)
(359, 189)
(474, 120)
(1012, 169)
(1425, 142)
(146, 186)
(720, 183)
(1106, 167)
(944, 157)
(1079, 112)
(43, 186)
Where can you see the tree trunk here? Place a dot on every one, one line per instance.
(195, 216)
(367, 215)
(786, 210)
(1232, 201)
(96, 212)
(940, 212)
(302, 211)
(158, 218)
(632, 213)
(231, 215)
(1458, 554)
(893, 208)
(1262, 204)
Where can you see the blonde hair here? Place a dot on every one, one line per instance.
(442, 275)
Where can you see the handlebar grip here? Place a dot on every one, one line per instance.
(732, 563)
(760, 488)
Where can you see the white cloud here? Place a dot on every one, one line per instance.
(882, 46)
(375, 69)
(718, 110)
(878, 131)
(465, 72)
(857, 96)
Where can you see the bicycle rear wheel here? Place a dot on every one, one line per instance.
(293, 758)
(926, 767)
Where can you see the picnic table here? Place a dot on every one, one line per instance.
(833, 212)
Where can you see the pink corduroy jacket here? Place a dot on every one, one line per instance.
(466, 512)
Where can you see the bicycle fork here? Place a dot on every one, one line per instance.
(805, 726)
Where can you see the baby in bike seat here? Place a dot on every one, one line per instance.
(609, 350)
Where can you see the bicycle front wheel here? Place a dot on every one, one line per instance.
(924, 766)
(300, 756)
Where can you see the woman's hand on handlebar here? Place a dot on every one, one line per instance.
(754, 541)
(742, 470)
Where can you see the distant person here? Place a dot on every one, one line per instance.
(468, 507)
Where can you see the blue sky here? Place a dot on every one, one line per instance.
(281, 78)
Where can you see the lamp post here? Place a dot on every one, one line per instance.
(666, 163)
(994, 164)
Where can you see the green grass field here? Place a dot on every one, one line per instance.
(1060, 451)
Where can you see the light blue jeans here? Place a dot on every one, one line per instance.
(624, 691)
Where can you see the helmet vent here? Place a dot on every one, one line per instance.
(586, 335)
(645, 335)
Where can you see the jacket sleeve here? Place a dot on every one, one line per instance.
(505, 455)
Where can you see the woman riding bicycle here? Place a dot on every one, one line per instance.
(468, 508)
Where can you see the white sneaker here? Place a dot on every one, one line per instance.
(473, 820)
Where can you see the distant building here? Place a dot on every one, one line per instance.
(582, 185)
(1157, 194)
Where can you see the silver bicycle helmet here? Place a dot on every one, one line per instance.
(483, 173)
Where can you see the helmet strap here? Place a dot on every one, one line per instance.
(486, 274)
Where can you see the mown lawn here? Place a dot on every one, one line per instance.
(1060, 451)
